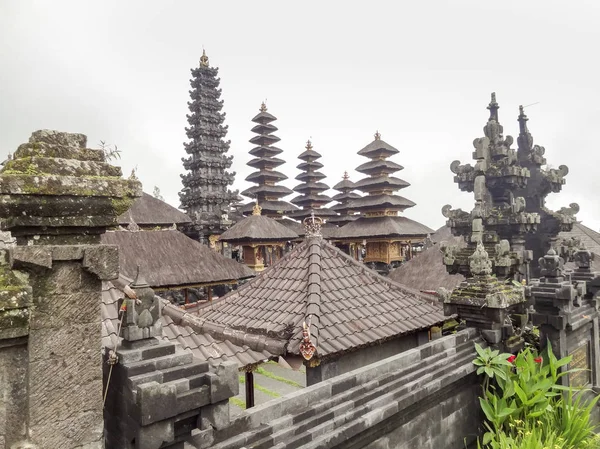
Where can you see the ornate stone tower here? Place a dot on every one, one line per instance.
(510, 189)
(311, 189)
(266, 192)
(495, 260)
(541, 183)
(205, 195)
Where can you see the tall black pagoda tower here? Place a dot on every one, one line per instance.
(205, 195)
(266, 193)
(311, 188)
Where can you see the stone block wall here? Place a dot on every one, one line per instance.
(425, 397)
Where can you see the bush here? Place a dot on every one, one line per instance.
(526, 406)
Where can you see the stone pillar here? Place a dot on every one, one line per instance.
(567, 319)
(58, 197)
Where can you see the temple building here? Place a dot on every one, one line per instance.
(176, 266)
(389, 239)
(321, 308)
(267, 193)
(205, 195)
(311, 198)
(263, 240)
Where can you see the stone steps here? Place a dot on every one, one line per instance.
(352, 399)
(351, 409)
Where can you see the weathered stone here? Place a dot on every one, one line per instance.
(224, 383)
(214, 416)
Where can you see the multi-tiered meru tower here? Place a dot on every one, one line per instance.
(311, 198)
(266, 193)
(205, 195)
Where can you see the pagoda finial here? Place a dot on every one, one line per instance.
(204, 59)
(346, 176)
(308, 145)
(377, 135)
(263, 107)
(493, 108)
(256, 210)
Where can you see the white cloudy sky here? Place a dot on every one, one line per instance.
(419, 72)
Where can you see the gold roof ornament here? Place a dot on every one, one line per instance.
(309, 145)
(377, 135)
(256, 210)
(263, 107)
(204, 59)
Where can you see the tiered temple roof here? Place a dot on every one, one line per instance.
(380, 206)
(205, 195)
(267, 193)
(311, 189)
(346, 195)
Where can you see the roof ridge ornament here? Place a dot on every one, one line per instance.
(257, 210)
(309, 145)
(307, 348)
(263, 107)
(313, 225)
(204, 59)
(377, 135)
(345, 176)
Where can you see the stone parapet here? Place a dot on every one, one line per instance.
(158, 393)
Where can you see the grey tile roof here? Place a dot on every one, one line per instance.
(169, 258)
(258, 228)
(150, 211)
(426, 271)
(350, 305)
(366, 227)
(589, 237)
(177, 328)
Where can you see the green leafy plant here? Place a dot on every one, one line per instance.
(523, 396)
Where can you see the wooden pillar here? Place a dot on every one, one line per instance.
(209, 293)
(186, 296)
(249, 389)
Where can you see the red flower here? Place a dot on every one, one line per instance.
(538, 359)
(511, 358)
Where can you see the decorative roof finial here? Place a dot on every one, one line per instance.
(256, 210)
(493, 108)
(309, 145)
(307, 348)
(522, 120)
(204, 59)
(377, 135)
(263, 107)
(346, 176)
(312, 225)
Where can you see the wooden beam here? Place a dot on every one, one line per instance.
(249, 389)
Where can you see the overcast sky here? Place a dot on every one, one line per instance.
(420, 72)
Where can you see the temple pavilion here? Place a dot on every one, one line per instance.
(387, 237)
(263, 240)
